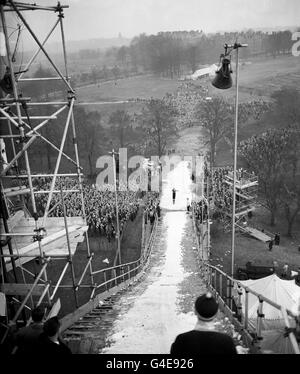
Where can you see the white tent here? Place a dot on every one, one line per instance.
(207, 71)
(282, 292)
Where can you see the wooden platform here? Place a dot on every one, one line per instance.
(257, 234)
(14, 289)
(54, 243)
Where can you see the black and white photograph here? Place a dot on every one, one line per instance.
(149, 181)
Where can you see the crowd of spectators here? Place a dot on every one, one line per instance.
(186, 99)
(101, 210)
(189, 94)
(99, 204)
(254, 109)
(200, 210)
(151, 207)
(221, 192)
(100, 207)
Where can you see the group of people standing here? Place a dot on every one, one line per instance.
(100, 206)
(275, 241)
(152, 208)
(200, 210)
(39, 337)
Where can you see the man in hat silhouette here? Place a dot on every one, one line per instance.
(204, 339)
(50, 342)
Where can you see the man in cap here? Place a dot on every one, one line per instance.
(204, 339)
(50, 342)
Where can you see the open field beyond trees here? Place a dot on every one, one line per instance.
(142, 87)
(259, 77)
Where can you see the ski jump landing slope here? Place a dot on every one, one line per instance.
(162, 306)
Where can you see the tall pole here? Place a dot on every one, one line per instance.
(235, 160)
(117, 206)
(70, 258)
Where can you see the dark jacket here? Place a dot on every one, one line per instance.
(195, 343)
(47, 346)
(27, 338)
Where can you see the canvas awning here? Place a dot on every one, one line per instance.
(282, 292)
(210, 71)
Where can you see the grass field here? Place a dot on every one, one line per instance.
(258, 78)
(114, 92)
(143, 87)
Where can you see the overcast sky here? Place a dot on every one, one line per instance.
(107, 18)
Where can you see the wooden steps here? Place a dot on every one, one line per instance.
(88, 334)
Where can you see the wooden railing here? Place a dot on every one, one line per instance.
(114, 275)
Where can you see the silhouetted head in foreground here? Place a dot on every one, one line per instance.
(206, 307)
(37, 314)
(51, 327)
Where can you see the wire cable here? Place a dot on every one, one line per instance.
(13, 58)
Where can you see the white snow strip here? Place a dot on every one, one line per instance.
(153, 321)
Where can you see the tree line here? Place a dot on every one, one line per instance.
(275, 157)
(171, 54)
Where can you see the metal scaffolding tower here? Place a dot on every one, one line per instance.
(246, 191)
(246, 186)
(26, 236)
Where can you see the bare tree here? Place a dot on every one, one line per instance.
(158, 124)
(272, 157)
(120, 129)
(215, 116)
(91, 137)
(289, 199)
